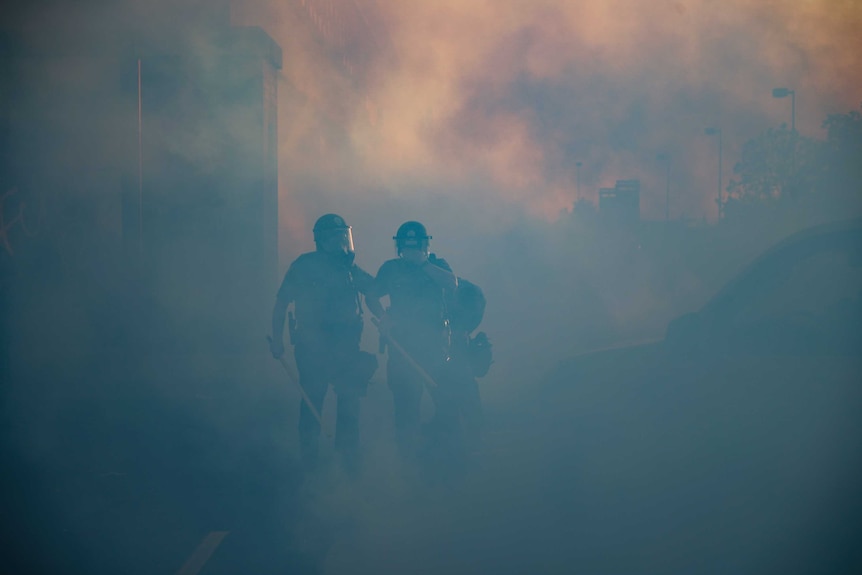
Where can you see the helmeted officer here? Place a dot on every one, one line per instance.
(324, 287)
(418, 285)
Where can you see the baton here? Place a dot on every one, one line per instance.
(295, 379)
(429, 381)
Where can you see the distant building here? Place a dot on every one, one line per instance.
(151, 151)
(209, 196)
(619, 207)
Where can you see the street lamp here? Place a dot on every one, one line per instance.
(783, 93)
(578, 177)
(666, 158)
(714, 132)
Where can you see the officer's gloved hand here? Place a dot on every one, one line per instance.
(384, 324)
(276, 347)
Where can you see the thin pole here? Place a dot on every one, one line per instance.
(578, 178)
(793, 111)
(667, 193)
(720, 146)
(295, 379)
(793, 140)
(140, 170)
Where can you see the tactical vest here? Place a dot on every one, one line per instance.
(327, 299)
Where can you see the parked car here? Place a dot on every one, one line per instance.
(802, 297)
(733, 445)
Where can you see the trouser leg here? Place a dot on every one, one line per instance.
(446, 415)
(309, 427)
(457, 419)
(447, 398)
(347, 430)
(407, 401)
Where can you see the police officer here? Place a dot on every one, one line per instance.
(324, 287)
(417, 323)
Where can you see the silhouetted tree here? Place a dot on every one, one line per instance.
(839, 169)
(776, 168)
(783, 173)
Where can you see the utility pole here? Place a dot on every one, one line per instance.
(783, 93)
(578, 178)
(667, 193)
(665, 157)
(140, 169)
(717, 132)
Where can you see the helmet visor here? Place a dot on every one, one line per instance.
(337, 240)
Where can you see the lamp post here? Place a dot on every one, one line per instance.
(140, 167)
(783, 93)
(578, 178)
(665, 157)
(717, 132)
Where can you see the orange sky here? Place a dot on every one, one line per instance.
(498, 99)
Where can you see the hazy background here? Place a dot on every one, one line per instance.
(131, 429)
(501, 99)
(472, 117)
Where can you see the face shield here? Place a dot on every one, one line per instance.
(339, 240)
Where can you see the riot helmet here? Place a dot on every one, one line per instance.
(412, 236)
(333, 235)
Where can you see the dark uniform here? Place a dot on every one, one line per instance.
(324, 287)
(418, 321)
(420, 325)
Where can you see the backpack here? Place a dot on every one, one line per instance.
(479, 354)
(466, 314)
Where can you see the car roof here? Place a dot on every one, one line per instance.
(813, 234)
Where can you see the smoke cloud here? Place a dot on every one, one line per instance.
(498, 101)
(486, 120)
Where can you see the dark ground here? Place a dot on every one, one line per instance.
(128, 442)
(107, 472)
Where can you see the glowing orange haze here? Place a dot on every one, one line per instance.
(500, 98)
